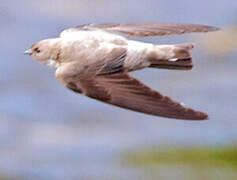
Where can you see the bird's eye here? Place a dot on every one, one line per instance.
(37, 50)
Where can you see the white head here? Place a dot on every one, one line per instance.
(45, 50)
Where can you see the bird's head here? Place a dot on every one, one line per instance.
(44, 50)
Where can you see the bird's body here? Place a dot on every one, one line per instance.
(95, 61)
(86, 47)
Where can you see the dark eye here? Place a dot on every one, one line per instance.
(37, 50)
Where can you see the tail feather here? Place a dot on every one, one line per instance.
(176, 57)
(179, 64)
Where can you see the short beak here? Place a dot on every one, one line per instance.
(28, 52)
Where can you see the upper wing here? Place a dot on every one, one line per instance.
(143, 29)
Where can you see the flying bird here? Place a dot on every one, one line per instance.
(95, 60)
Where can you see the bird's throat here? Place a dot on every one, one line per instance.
(51, 63)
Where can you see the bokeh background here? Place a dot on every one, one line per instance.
(47, 132)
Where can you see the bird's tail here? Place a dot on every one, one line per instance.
(176, 57)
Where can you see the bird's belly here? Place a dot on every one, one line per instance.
(137, 55)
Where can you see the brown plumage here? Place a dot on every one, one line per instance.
(95, 61)
(146, 29)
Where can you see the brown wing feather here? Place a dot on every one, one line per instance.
(146, 29)
(124, 91)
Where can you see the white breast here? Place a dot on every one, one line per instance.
(51, 63)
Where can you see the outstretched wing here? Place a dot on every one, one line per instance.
(125, 91)
(108, 81)
(143, 29)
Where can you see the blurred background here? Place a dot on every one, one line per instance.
(47, 132)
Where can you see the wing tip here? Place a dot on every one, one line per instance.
(200, 116)
(212, 28)
(204, 116)
(193, 115)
